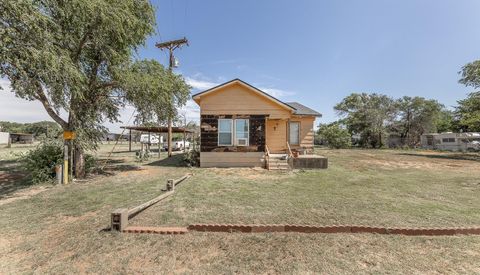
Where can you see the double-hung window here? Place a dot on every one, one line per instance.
(225, 132)
(241, 132)
(233, 132)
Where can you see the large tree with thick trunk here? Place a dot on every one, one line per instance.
(76, 58)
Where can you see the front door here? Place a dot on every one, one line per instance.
(276, 138)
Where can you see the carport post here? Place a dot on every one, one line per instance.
(130, 140)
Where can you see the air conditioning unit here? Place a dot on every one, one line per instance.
(242, 141)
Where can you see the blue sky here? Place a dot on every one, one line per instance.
(318, 52)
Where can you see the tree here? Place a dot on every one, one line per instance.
(76, 56)
(335, 135)
(468, 113)
(367, 115)
(416, 116)
(446, 121)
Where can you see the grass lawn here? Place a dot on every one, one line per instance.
(61, 229)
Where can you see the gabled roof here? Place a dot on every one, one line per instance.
(241, 82)
(297, 108)
(303, 110)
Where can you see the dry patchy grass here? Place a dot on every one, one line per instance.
(61, 230)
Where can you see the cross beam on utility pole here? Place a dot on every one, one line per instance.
(171, 46)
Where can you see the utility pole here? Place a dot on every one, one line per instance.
(171, 46)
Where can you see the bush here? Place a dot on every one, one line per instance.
(335, 136)
(192, 157)
(40, 162)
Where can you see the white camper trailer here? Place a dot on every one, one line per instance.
(451, 141)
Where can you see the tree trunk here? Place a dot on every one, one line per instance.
(79, 163)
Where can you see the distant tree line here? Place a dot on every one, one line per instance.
(371, 118)
(40, 130)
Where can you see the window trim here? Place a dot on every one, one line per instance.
(298, 132)
(235, 139)
(231, 132)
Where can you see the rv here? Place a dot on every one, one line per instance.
(451, 141)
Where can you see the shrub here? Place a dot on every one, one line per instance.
(192, 157)
(335, 136)
(40, 162)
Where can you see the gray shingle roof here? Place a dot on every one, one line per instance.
(303, 110)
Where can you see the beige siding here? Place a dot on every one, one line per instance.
(232, 159)
(240, 100)
(276, 135)
(306, 130)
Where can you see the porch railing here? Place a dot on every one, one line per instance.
(290, 154)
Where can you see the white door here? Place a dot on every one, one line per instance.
(294, 133)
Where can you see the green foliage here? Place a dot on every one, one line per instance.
(367, 115)
(468, 110)
(468, 113)
(40, 130)
(335, 135)
(77, 56)
(192, 157)
(154, 91)
(446, 121)
(40, 162)
(415, 116)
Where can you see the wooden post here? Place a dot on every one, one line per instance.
(65, 163)
(171, 46)
(184, 141)
(130, 140)
(169, 141)
(159, 146)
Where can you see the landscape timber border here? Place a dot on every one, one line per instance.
(120, 217)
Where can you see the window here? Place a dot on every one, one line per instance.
(294, 133)
(447, 140)
(225, 132)
(241, 132)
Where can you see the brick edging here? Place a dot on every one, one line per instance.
(245, 228)
(265, 228)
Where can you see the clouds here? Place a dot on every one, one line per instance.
(277, 92)
(198, 84)
(17, 109)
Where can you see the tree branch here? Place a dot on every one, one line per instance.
(40, 95)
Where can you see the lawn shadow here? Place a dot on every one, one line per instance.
(12, 178)
(455, 156)
(174, 161)
(110, 166)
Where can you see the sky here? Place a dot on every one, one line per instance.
(311, 51)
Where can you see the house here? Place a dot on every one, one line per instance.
(451, 141)
(242, 126)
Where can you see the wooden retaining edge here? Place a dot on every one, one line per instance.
(170, 190)
(120, 217)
